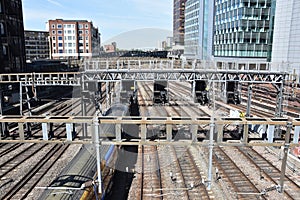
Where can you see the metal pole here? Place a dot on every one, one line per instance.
(285, 155)
(211, 141)
(249, 100)
(83, 107)
(97, 147)
(107, 95)
(193, 90)
(21, 100)
(211, 145)
(280, 101)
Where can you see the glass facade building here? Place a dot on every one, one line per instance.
(178, 22)
(286, 39)
(199, 20)
(242, 28)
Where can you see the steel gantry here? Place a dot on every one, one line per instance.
(141, 70)
(108, 72)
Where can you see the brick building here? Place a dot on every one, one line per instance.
(73, 39)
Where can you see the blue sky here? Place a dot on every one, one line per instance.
(111, 16)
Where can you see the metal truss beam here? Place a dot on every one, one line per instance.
(140, 71)
(43, 79)
(94, 122)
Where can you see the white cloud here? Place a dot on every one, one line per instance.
(55, 3)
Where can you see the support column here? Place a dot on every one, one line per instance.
(21, 131)
(285, 155)
(296, 134)
(249, 100)
(143, 132)
(211, 146)
(45, 131)
(97, 147)
(21, 99)
(193, 91)
(270, 133)
(246, 133)
(118, 131)
(169, 132)
(220, 128)
(69, 131)
(194, 132)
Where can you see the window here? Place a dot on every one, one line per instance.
(54, 45)
(4, 50)
(70, 51)
(59, 37)
(59, 32)
(86, 26)
(80, 26)
(53, 32)
(69, 37)
(80, 32)
(59, 26)
(69, 44)
(61, 51)
(53, 38)
(86, 32)
(53, 26)
(69, 26)
(60, 44)
(2, 29)
(69, 32)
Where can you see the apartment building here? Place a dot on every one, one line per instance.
(12, 48)
(36, 45)
(75, 39)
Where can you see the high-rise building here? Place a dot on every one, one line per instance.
(242, 28)
(286, 40)
(12, 48)
(36, 45)
(199, 22)
(73, 39)
(178, 22)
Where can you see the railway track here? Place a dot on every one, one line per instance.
(23, 187)
(150, 177)
(291, 189)
(191, 174)
(228, 171)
